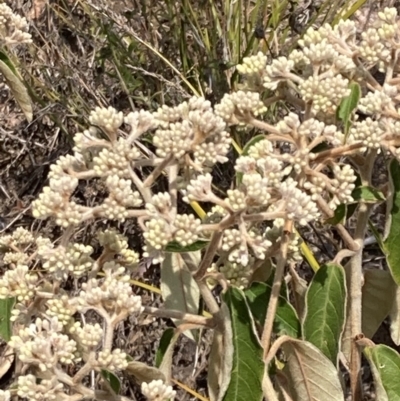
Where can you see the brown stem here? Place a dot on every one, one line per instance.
(144, 191)
(276, 287)
(173, 189)
(347, 238)
(333, 153)
(175, 314)
(212, 248)
(85, 369)
(208, 298)
(355, 287)
(157, 171)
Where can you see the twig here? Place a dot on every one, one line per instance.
(276, 287)
(175, 314)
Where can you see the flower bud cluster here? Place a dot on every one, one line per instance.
(19, 283)
(60, 262)
(240, 106)
(192, 128)
(60, 307)
(121, 197)
(117, 244)
(42, 344)
(157, 390)
(112, 360)
(108, 119)
(236, 274)
(13, 28)
(113, 293)
(5, 395)
(89, 335)
(34, 390)
(19, 237)
(274, 233)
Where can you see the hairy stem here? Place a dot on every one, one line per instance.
(355, 278)
(276, 288)
(157, 172)
(173, 189)
(212, 248)
(208, 298)
(175, 314)
(85, 369)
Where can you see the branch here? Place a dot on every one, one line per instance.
(276, 288)
(175, 314)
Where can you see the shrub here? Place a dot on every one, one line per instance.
(315, 166)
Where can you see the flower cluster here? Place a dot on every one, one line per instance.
(156, 390)
(112, 294)
(13, 28)
(61, 262)
(42, 344)
(33, 390)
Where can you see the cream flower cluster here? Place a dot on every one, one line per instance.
(13, 28)
(117, 244)
(61, 262)
(112, 360)
(89, 335)
(192, 127)
(164, 227)
(47, 390)
(42, 344)
(190, 134)
(5, 395)
(113, 293)
(235, 274)
(19, 283)
(157, 390)
(61, 308)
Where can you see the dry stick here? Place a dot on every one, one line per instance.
(276, 288)
(355, 275)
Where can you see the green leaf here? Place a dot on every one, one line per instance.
(348, 105)
(377, 235)
(380, 392)
(165, 341)
(310, 375)
(367, 194)
(112, 380)
(378, 293)
(245, 152)
(143, 372)
(339, 215)
(392, 229)
(386, 363)
(166, 354)
(178, 287)
(14, 82)
(286, 320)
(6, 306)
(221, 356)
(248, 366)
(326, 310)
(174, 246)
(263, 272)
